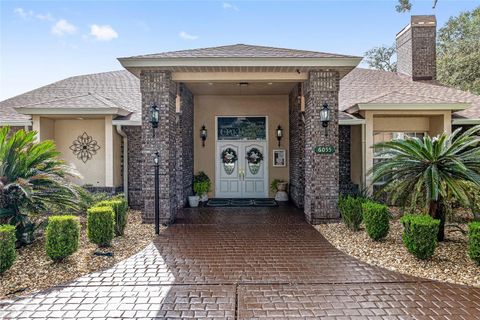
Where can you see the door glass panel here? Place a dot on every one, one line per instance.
(241, 128)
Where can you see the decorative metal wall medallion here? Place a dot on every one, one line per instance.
(84, 147)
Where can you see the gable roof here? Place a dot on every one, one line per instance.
(116, 89)
(242, 51)
(375, 86)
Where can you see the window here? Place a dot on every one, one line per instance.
(389, 136)
(241, 128)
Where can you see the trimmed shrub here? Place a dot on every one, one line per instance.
(474, 241)
(351, 211)
(119, 207)
(420, 235)
(376, 220)
(62, 236)
(100, 225)
(8, 254)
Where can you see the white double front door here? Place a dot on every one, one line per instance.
(242, 179)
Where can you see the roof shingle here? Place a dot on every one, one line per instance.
(241, 51)
(374, 86)
(120, 88)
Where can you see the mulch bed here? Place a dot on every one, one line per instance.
(33, 270)
(450, 262)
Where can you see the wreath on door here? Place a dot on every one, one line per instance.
(254, 157)
(229, 156)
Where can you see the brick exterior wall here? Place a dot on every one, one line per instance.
(345, 166)
(135, 160)
(416, 52)
(14, 129)
(157, 87)
(321, 171)
(184, 164)
(296, 149)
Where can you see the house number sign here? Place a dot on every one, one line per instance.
(324, 150)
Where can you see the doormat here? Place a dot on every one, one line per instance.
(242, 203)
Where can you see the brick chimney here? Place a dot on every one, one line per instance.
(416, 48)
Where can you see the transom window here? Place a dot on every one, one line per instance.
(241, 128)
(389, 136)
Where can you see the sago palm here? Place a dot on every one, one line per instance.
(32, 178)
(432, 169)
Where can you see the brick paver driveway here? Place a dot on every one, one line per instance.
(247, 263)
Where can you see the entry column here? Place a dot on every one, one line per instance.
(158, 88)
(321, 170)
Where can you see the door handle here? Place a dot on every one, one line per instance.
(241, 174)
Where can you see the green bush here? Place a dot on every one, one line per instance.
(62, 236)
(119, 206)
(201, 184)
(420, 235)
(474, 241)
(100, 225)
(351, 211)
(7, 247)
(376, 220)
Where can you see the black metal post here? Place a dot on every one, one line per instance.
(157, 194)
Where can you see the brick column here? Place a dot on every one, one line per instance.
(321, 171)
(157, 87)
(184, 166)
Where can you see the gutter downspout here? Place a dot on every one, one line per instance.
(364, 147)
(125, 159)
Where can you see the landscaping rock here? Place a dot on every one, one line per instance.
(34, 270)
(450, 262)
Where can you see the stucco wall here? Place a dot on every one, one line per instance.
(429, 121)
(275, 107)
(66, 131)
(47, 129)
(356, 154)
(417, 124)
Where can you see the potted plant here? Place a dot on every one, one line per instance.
(201, 185)
(280, 188)
(193, 201)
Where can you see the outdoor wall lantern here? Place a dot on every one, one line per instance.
(279, 134)
(203, 135)
(154, 117)
(325, 117)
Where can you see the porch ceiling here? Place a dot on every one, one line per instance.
(235, 88)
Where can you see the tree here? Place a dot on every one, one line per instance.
(382, 58)
(433, 169)
(406, 5)
(32, 178)
(458, 52)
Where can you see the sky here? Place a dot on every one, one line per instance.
(45, 41)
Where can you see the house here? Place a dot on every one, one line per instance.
(255, 105)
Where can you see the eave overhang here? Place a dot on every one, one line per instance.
(72, 111)
(169, 63)
(407, 106)
(458, 121)
(13, 123)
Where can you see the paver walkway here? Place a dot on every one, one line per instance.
(247, 263)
